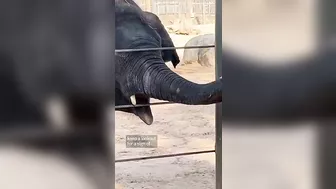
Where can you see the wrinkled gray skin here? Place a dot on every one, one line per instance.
(145, 74)
(154, 22)
(204, 56)
(48, 48)
(304, 91)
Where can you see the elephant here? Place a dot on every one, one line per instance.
(154, 22)
(47, 50)
(144, 75)
(305, 90)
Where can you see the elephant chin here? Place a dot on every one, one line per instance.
(145, 112)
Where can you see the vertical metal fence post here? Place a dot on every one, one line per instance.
(327, 130)
(218, 67)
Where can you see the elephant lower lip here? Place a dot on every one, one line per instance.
(144, 113)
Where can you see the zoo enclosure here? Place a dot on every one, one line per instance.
(169, 11)
(214, 15)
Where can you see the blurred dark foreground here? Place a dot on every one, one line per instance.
(279, 106)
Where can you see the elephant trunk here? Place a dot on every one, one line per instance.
(164, 84)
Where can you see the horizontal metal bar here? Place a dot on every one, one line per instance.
(164, 156)
(143, 105)
(163, 48)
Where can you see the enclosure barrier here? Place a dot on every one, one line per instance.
(159, 103)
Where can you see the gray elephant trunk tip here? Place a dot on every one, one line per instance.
(175, 88)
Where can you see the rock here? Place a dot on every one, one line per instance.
(204, 56)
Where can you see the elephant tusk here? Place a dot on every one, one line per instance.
(133, 100)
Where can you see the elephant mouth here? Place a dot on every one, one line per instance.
(139, 108)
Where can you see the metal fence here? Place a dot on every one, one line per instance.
(200, 11)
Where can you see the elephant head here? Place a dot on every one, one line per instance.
(144, 75)
(166, 41)
(155, 23)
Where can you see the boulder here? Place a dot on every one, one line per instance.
(203, 56)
